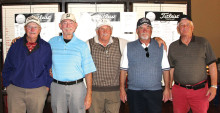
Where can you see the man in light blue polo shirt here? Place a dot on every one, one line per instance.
(71, 62)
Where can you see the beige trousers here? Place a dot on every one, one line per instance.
(22, 100)
(105, 102)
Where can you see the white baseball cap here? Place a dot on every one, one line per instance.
(68, 16)
(103, 22)
(33, 19)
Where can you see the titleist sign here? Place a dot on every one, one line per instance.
(164, 16)
(107, 16)
(43, 17)
(112, 16)
(169, 16)
(47, 17)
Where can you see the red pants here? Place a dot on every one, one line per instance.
(184, 99)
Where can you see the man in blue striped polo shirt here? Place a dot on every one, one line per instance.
(71, 62)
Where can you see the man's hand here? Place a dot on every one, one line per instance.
(88, 101)
(166, 95)
(47, 88)
(160, 42)
(211, 93)
(123, 95)
(50, 72)
(88, 98)
(14, 40)
(213, 74)
(171, 97)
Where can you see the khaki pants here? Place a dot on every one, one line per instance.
(105, 102)
(21, 100)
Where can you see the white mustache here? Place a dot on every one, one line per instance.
(144, 37)
(68, 28)
(105, 34)
(143, 34)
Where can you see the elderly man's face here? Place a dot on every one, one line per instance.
(144, 32)
(104, 32)
(32, 30)
(68, 26)
(185, 27)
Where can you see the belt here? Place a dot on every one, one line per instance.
(195, 87)
(68, 83)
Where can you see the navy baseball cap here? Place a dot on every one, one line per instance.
(142, 21)
(184, 17)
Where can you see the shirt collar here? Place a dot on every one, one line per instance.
(192, 40)
(74, 37)
(25, 40)
(143, 45)
(97, 40)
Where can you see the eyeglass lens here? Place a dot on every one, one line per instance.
(147, 53)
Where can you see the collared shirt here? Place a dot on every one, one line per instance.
(189, 61)
(124, 60)
(71, 61)
(25, 69)
(35, 47)
(122, 43)
(97, 40)
(107, 60)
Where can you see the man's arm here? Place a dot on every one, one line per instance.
(213, 75)
(14, 40)
(171, 82)
(88, 98)
(171, 77)
(123, 95)
(166, 93)
(49, 66)
(160, 42)
(9, 66)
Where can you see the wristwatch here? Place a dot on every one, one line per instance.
(215, 86)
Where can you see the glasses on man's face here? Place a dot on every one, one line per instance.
(32, 27)
(147, 52)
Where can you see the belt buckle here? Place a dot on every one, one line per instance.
(189, 87)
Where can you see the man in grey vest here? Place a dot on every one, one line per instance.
(106, 52)
(144, 62)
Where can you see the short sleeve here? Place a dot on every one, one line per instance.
(210, 55)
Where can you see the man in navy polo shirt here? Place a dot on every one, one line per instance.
(26, 70)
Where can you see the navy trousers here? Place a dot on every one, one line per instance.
(142, 101)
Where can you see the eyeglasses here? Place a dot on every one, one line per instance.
(147, 52)
(34, 27)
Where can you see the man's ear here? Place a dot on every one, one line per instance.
(192, 28)
(76, 25)
(97, 31)
(177, 28)
(60, 25)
